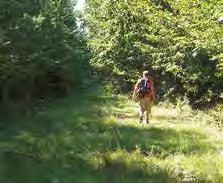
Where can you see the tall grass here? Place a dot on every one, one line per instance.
(92, 137)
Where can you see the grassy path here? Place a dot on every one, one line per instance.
(92, 138)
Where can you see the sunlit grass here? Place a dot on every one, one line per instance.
(90, 137)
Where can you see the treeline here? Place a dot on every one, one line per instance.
(179, 42)
(42, 51)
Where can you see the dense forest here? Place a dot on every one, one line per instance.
(179, 42)
(67, 75)
(42, 50)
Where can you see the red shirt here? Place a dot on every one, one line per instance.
(137, 87)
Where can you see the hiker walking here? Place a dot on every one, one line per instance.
(144, 93)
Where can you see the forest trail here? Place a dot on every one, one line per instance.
(61, 67)
(91, 137)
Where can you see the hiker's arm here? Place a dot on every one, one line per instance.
(135, 89)
(152, 88)
(153, 93)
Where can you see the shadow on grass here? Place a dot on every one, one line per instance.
(23, 169)
(53, 145)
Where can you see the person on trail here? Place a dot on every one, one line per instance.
(144, 93)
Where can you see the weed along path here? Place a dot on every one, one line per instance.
(93, 138)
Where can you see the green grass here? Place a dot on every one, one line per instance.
(93, 138)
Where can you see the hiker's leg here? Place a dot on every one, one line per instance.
(141, 111)
(148, 110)
(147, 117)
(151, 105)
(147, 114)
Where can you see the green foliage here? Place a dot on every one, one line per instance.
(42, 51)
(179, 42)
(216, 116)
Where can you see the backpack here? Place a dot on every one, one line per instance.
(144, 86)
